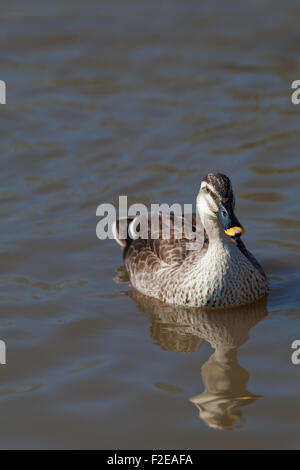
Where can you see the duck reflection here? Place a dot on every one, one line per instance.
(183, 330)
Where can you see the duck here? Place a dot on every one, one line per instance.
(202, 262)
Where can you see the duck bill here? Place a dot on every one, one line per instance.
(229, 221)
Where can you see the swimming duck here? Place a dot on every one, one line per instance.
(207, 266)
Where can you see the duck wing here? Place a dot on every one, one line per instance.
(155, 239)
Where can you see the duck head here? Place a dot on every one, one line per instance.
(216, 201)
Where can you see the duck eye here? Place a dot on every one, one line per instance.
(208, 190)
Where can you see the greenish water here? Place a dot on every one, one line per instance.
(144, 98)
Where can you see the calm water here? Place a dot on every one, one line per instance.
(144, 98)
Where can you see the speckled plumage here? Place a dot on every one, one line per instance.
(220, 272)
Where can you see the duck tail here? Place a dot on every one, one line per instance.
(121, 231)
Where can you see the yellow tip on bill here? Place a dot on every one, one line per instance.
(233, 231)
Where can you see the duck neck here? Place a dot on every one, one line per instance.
(213, 229)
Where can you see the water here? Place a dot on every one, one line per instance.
(144, 98)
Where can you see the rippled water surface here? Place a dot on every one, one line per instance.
(144, 98)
